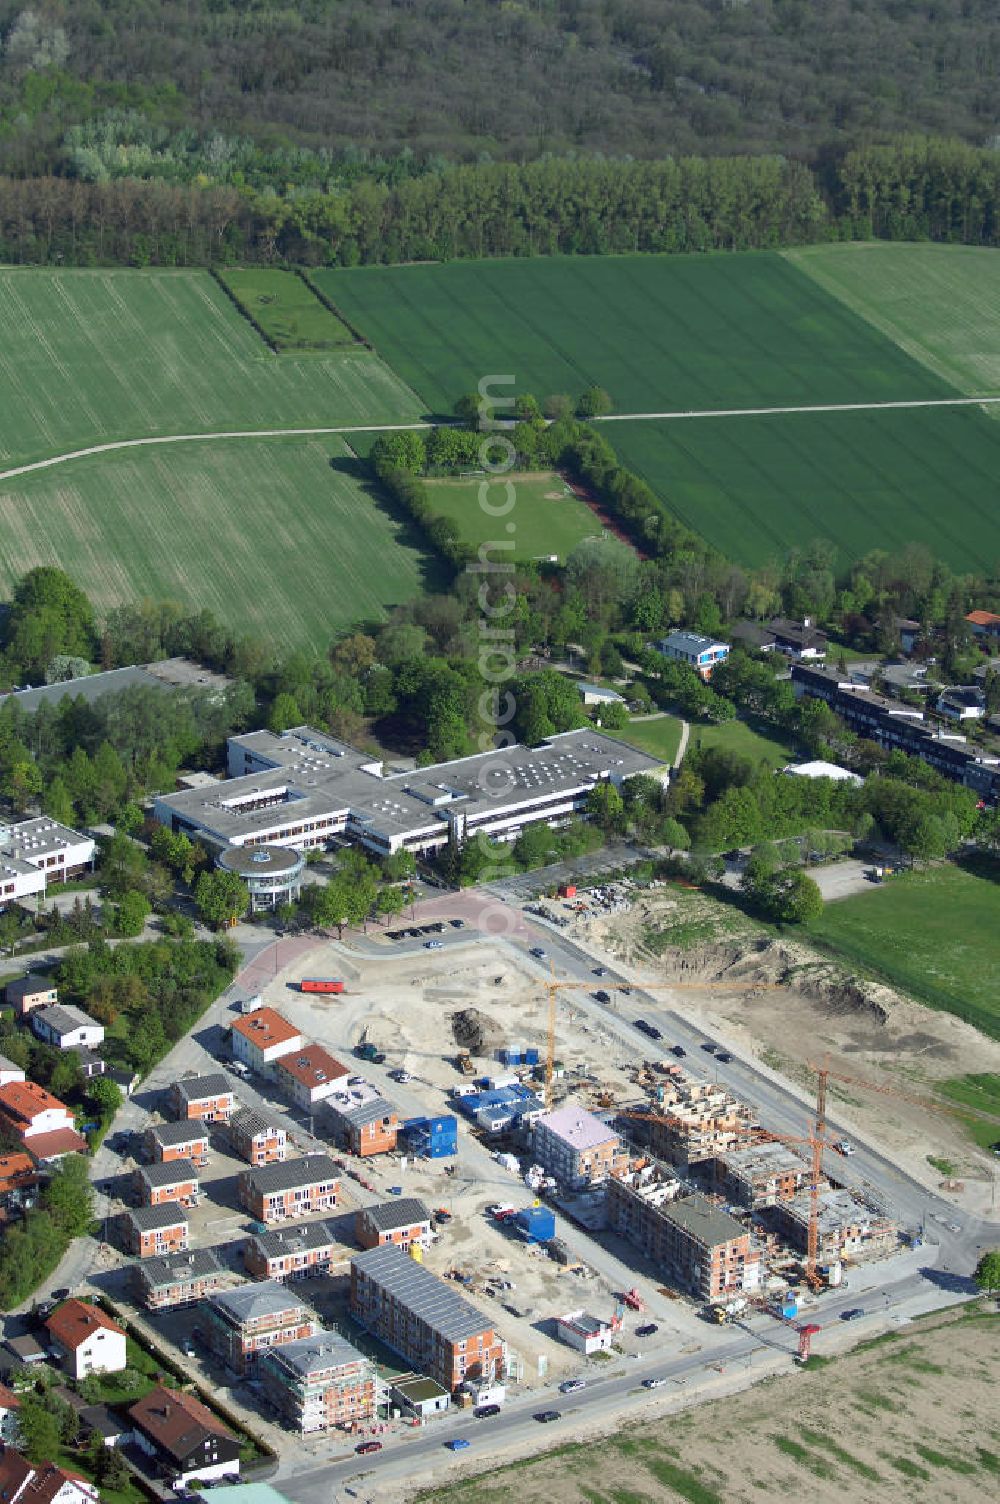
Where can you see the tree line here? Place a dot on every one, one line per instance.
(917, 188)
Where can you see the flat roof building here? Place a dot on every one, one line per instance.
(302, 787)
(847, 1227)
(39, 851)
(575, 1146)
(435, 1329)
(763, 1174)
(699, 652)
(693, 1122)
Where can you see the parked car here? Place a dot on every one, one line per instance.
(600, 971)
(653, 1383)
(601, 996)
(724, 1057)
(364, 1447)
(537, 952)
(457, 924)
(572, 1386)
(854, 1314)
(678, 1050)
(647, 1028)
(432, 945)
(481, 1412)
(648, 1329)
(546, 1415)
(400, 1075)
(708, 1047)
(844, 1146)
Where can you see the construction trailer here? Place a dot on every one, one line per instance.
(536, 1224)
(431, 1138)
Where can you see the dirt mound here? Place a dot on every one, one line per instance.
(475, 1032)
(765, 963)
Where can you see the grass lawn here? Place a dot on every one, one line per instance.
(92, 356)
(279, 537)
(287, 309)
(939, 303)
(933, 934)
(546, 517)
(764, 745)
(660, 738)
(983, 1094)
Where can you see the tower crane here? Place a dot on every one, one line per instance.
(554, 986)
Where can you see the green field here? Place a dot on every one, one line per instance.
(717, 332)
(546, 517)
(88, 357)
(755, 487)
(660, 738)
(941, 304)
(933, 934)
(659, 332)
(287, 309)
(763, 745)
(266, 533)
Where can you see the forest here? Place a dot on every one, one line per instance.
(332, 79)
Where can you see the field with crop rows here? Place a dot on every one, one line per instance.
(87, 357)
(756, 487)
(266, 533)
(939, 303)
(659, 332)
(681, 333)
(546, 518)
(287, 309)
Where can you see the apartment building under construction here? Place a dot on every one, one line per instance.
(700, 1247)
(848, 1226)
(763, 1175)
(694, 1121)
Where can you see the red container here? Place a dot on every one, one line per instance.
(320, 984)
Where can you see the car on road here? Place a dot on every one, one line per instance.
(708, 1047)
(653, 1383)
(600, 996)
(62, 1294)
(844, 1146)
(648, 1329)
(188, 1348)
(400, 1075)
(537, 952)
(600, 971)
(854, 1314)
(547, 1415)
(364, 1447)
(645, 1027)
(572, 1386)
(432, 945)
(481, 1412)
(724, 1057)
(678, 1050)
(457, 924)
(239, 1069)
(457, 1444)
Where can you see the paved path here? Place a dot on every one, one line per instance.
(291, 433)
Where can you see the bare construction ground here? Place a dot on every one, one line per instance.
(797, 1007)
(906, 1417)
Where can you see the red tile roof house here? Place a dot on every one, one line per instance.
(257, 1137)
(152, 1230)
(175, 1180)
(187, 1440)
(297, 1188)
(42, 1123)
(209, 1098)
(262, 1037)
(10, 1404)
(186, 1139)
(22, 1482)
(984, 624)
(239, 1324)
(310, 1075)
(85, 1340)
